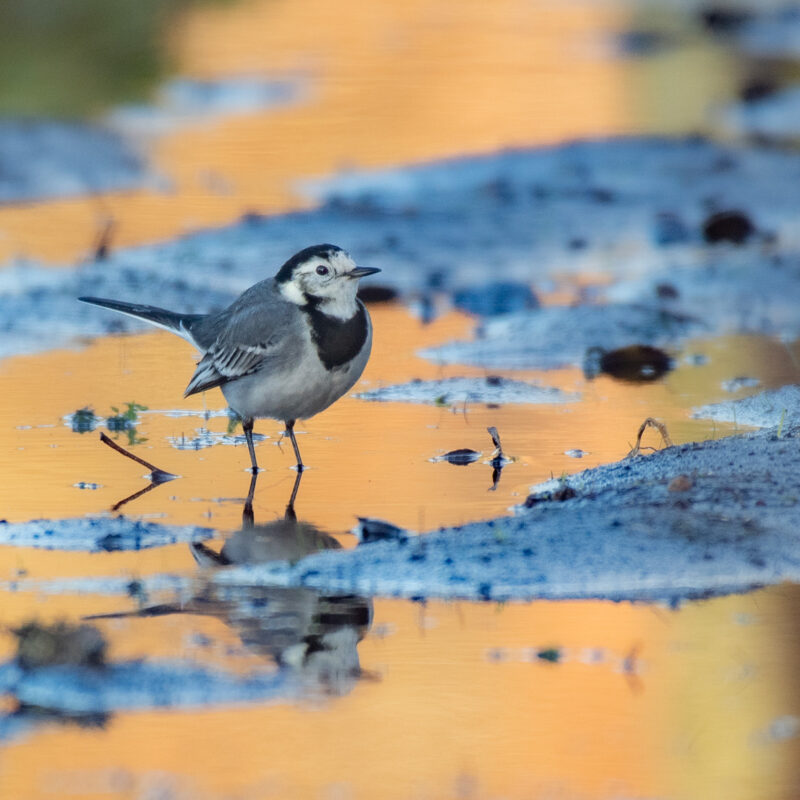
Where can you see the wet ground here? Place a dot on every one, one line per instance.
(243, 662)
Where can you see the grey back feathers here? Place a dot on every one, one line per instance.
(259, 330)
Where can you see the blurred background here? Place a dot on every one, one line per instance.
(230, 104)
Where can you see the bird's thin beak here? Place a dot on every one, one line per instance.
(362, 272)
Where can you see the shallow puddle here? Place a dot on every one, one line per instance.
(519, 692)
(376, 697)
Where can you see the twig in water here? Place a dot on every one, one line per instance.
(498, 448)
(649, 423)
(102, 246)
(135, 495)
(156, 475)
(498, 459)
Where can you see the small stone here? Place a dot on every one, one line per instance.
(680, 483)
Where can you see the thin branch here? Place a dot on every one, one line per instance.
(649, 423)
(156, 475)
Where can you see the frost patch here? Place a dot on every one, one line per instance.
(558, 336)
(139, 685)
(45, 158)
(776, 116)
(97, 534)
(764, 410)
(184, 101)
(456, 391)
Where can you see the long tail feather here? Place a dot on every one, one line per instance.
(169, 320)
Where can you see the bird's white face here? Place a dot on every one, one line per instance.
(328, 280)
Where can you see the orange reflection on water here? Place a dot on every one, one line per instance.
(399, 82)
(645, 703)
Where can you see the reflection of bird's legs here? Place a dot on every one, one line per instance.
(290, 431)
(289, 513)
(247, 510)
(248, 517)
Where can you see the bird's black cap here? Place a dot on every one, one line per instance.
(316, 250)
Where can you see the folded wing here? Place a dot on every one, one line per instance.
(258, 332)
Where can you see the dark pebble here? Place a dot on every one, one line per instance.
(728, 226)
(639, 363)
(461, 457)
(723, 19)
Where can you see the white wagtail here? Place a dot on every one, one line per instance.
(286, 348)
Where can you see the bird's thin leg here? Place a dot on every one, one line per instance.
(290, 431)
(247, 427)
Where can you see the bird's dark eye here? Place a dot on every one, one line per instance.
(322, 270)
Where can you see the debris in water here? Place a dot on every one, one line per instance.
(156, 475)
(460, 457)
(721, 19)
(576, 453)
(124, 420)
(498, 460)
(649, 423)
(371, 530)
(728, 226)
(740, 382)
(551, 654)
(83, 420)
(638, 363)
(102, 247)
(40, 645)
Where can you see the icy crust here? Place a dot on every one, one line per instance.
(630, 532)
(451, 391)
(737, 290)
(772, 35)
(776, 116)
(97, 534)
(184, 101)
(740, 291)
(46, 158)
(139, 685)
(626, 207)
(559, 335)
(763, 410)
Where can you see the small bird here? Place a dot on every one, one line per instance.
(286, 348)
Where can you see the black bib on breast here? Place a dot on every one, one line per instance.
(338, 341)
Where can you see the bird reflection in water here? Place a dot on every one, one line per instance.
(312, 634)
(299, 628)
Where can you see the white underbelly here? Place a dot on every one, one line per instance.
(294, 393)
